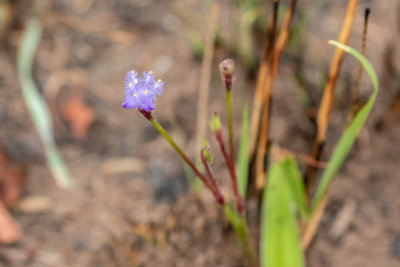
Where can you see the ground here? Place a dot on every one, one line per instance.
(131, 204)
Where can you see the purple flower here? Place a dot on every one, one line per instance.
(141, 91)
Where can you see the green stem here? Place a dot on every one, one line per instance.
(230, 127)
(240, 225)
(183, 155)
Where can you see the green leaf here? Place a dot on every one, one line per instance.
(36, 105)
(243, 161)
(349, 136)
(280, 242)
(296, 185)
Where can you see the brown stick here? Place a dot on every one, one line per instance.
(327, 98)
(273, 70)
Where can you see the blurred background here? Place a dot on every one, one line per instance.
(130, 204)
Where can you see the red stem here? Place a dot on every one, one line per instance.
(216, 190)
(231, 168)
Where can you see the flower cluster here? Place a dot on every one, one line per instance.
(141, 90)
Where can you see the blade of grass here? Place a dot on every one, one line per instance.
(342, 148)
(280, 244)
(296, 185)
(36, 105)
(243, 161)
(327, 98)
(349, 136)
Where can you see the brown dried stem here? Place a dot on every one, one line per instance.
(261, 79)
(273, 70)
(327, 98)
(309, 230)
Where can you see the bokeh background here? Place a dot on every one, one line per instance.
(131, 203)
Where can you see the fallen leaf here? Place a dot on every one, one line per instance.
(79, 115)
(9, 229)
(12, 180)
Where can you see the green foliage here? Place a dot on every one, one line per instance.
(347, 139)
(296, 185)
(36, 105)
(243, 161)
(280, 245)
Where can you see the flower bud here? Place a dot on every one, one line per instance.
(226, 69)
(215, 124)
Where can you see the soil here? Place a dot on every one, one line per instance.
(131, 204)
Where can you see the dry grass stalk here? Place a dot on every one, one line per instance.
(273, 70)
(261, 80)
(327, 98)
(309, 229)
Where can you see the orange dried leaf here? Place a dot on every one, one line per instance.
(79, 116)
(9, 229)
(12, 179)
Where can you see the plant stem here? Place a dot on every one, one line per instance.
(231, 168)
(230, 128)
(213, 181)
(240, 225)
(185, 158)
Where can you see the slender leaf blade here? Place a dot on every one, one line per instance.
(296, 185)
(36, 105)
(349, 136)
(280, 242)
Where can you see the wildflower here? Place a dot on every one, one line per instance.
(141, 91)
